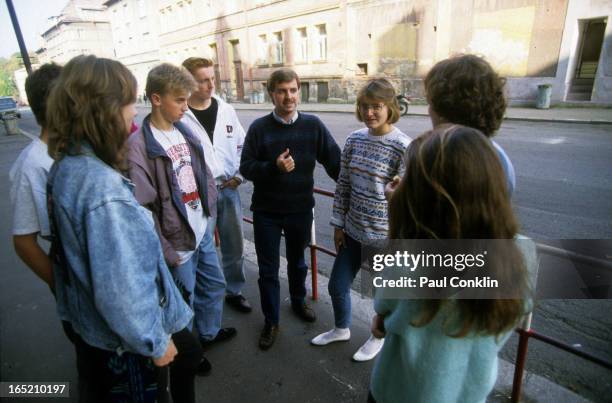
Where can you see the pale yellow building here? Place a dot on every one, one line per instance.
(135, 33)
(335, 45)
(81, 28)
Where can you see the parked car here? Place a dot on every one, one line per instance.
(9, 114)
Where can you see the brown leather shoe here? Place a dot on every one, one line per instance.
(304, 312)
(268, 335)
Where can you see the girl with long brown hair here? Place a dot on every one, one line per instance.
(446, 350)
(114, 292)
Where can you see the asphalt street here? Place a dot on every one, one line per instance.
(564, 191)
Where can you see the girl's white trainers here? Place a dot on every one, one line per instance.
(369, 349)
(336, 334)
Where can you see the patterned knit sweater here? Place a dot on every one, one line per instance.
(368, 163)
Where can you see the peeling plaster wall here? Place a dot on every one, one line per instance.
(520, 38)
(531, 42)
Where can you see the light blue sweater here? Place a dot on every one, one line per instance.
(423, 364)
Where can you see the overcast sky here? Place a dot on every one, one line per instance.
(32, 16)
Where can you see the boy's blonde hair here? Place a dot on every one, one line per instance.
(168, 79)
(379, 89)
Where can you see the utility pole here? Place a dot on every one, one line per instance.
(22, 46)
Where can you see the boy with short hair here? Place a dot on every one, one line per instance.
(167, 165)
(466, 90)
(222, 137)
(28, 177)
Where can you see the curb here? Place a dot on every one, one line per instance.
(239, 106)
(267, 107)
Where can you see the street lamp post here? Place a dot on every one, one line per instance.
(22, 46)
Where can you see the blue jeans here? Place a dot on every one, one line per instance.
(345, 269)
(267, 230)
(209, 287)
(184, 277)
(202, 278)
(229, 225)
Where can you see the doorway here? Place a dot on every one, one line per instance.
(305, 90)
(589, 50)
(237, 79)
(322, 91)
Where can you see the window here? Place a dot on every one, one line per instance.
(321, 43)
(213, 52)
(279, 52)
(142, 8)
(162, 21)
(262, 49)
(362, 69)
(302, 45)
(235, 44)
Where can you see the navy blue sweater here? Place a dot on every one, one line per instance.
(308, 141)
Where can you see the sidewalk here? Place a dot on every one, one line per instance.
(559, 114)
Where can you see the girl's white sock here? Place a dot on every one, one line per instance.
(369, 349)
(336, 334)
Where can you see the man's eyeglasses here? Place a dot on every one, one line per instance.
(364, 108)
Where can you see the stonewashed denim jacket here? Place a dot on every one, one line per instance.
(113, 285)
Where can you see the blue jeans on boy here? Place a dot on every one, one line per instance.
(345, 269)
(267, 230)
(184, 278)
(209, 287)
(202, 277)
(229, 225)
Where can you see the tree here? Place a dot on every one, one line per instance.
(7, 70)
(7, 84)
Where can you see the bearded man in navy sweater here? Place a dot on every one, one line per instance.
(279, 156)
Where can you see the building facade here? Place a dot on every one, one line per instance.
(336, 45)
(135, 32)
(81, 28)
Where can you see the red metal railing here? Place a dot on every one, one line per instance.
(525, 332)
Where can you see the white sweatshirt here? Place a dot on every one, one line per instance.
(223, 156)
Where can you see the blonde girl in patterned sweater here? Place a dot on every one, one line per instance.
(371, 158)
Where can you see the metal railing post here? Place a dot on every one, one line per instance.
(521, 359)
(313, 257)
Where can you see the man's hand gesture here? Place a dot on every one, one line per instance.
(285, 162)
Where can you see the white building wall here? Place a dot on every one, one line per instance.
(135, 34)
(577, 10)
(82, 28)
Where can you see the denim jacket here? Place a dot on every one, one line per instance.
(113, 284)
